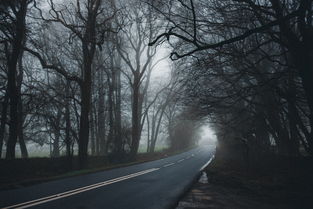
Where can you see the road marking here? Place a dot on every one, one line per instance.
(181, 160)
(205, 165)
(77, 191)
(168, 165)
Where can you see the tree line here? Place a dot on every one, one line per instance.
(248, 66)
(76, 75)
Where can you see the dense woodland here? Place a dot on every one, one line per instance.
(77, 74)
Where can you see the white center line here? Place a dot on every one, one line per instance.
(77, 191)
(168, 165)
(181, 160)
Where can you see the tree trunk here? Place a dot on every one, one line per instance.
(101, 139)
(118, 112)
(160, 112)
(12, 71)
(22, 143)
(68, 140)
(84, 116)
(135, 118)
(88, 48)
(3, 120)
(148, 129)
(56, 142)
(92, 133)
(96, 130)
(84, 119)
(153, 129)
(13, 124)
(111, 115)
(21, 115)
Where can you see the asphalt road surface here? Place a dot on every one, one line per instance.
(152, 185)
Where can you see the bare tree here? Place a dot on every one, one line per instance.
(13, 33)
(138, 56)
(286, 23)
(88, 25)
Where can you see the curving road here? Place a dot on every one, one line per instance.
(151, 185)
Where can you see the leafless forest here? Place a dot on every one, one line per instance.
(76, 76)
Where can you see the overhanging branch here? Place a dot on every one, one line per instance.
(201, 47)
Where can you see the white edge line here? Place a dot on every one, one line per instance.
(205, 165)
(76, 191)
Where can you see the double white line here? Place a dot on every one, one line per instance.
(76, 191)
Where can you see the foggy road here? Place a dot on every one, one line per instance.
(151, 185)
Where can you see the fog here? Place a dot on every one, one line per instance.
(207, 136)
